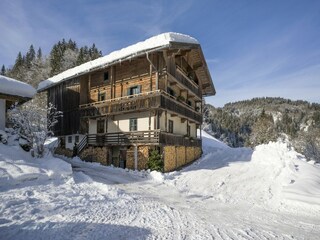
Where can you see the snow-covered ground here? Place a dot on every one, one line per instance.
(268, 193)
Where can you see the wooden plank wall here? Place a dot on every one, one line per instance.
(124, 75)
(66, 98)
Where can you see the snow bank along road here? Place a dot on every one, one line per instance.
(268, 193)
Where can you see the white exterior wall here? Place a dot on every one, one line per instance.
(193, 130)
(121, 123)
(178, 126)
(71, 145)
(2, 114)
(92, 126)
(162, 123)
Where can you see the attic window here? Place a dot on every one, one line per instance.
(134, 90)
(106, 76)
(101, 96)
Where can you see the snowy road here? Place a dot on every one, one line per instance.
(268, 193)
(197, 216)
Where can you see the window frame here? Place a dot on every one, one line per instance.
(101, 125)
(188, 130)
(170, 126)
(100, 95)
(133, 124)
(130, 90)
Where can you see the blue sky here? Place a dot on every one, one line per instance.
(253, 48)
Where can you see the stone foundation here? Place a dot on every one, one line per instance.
(143, 156)
(176, 157)
(95, 154)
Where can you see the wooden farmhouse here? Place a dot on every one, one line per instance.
(12, 91)
(118, 108)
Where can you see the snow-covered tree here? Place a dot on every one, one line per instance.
(34, 124)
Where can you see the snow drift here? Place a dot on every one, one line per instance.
(271, 175)
(17, 166)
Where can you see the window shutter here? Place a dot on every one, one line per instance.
(139, 88)
(128, 92)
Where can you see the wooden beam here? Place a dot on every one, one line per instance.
(197, 65)
(166, 121)
(13, 98)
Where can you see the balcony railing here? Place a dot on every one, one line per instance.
(185, 81)
(153, 137)
(139, 102)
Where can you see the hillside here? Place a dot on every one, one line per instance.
(260, 120)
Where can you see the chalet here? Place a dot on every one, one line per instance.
(12, 91)
(119, 107)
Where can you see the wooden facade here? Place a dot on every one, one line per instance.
(153, 98)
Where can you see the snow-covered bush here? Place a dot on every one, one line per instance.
(34, 125)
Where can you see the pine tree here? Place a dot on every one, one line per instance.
(81, 57)
(39, 54)
(3, 71)
(155, 162)
(19, 61)
(55, 59)
(30, 56)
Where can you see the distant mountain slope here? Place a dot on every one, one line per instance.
(260, 120)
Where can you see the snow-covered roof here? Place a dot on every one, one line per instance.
(10, 86)
(158, 41)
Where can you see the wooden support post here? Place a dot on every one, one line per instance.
(166, 120)
(89, 87)
(114, 80)
(155, 119)
(121, 94)
(136, 157)
(150, 72)
(157, 72)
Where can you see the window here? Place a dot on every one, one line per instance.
(69, 139)
(188, 130)
(170, 126)
(106, 76)
(134, 90)
(170, 91)
(76, 139)
(101, 96)
(100, 126)
(189, 103)
(133, 126)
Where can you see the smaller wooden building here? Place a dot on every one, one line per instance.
(12, 91)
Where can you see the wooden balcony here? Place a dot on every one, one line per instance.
(184, 81)
(140, 102)
(155, 137)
